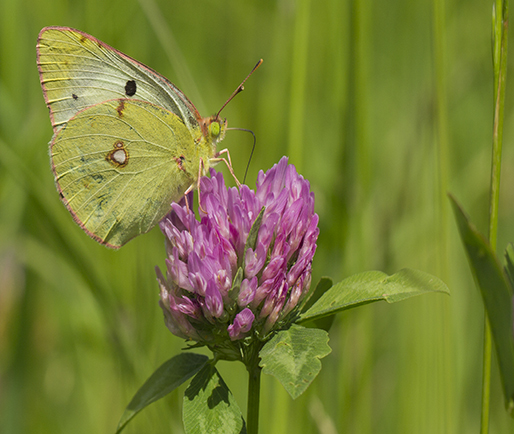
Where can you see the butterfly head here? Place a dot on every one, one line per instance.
(214, 128)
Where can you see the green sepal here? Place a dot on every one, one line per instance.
(236, 285)
(251, 240)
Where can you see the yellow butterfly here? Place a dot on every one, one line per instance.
(127, 143)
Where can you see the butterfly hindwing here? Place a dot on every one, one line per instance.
(119, 165)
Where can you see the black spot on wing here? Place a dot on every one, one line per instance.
(130, 88)
(75, 96)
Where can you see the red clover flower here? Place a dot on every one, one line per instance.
(243, 268)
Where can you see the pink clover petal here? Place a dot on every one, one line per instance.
(267, 230)
(213, 300)
(273, 292)
(177, 270)
(180, 321)
(291, 216)
(281, 247)
(242, 324)
(273, 315)
(276, 204)
(294, 297)
(254, 260)
(299, 268)
(204, 253)
(276, 265)
(170, 323)
(223, 282)
(247, 291)
(188, 307)
(261, 293)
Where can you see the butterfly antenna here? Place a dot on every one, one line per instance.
(240, 88)
(254, 142)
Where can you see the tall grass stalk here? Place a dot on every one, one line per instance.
(500, 33)
(441, 137)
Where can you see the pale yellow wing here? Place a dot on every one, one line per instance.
(77, 71)
(118, 166)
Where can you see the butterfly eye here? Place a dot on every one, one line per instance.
(215, 129)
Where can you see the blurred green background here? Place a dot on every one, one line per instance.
(382, 105)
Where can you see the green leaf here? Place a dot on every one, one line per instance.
(324, 284)
(509, 266)
(373, 286)
(496, 294)
(209, 407)
(293, 357)
(166, 378)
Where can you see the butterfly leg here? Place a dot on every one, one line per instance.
(201, 168)
(186, 193)
(192, 187)
(217, 159)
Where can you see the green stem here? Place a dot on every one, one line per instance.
(254, 390)
(500, 72)
(500, 32)
(486, 378)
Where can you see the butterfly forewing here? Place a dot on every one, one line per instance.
(119, 165)
(78, 71)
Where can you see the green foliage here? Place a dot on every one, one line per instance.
(165, 379)
(496, 292)
(509, 263)
(323, 285)
(373, 286)
(210, 407)
(292, 356)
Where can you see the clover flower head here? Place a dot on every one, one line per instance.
(243, 267)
